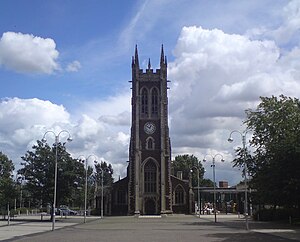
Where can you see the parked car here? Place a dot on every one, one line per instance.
(65, 211)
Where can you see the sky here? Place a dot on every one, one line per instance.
(65, 65)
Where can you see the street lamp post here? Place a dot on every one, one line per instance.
(214, 179)
(230, 139)
(20, 179)
(198, 189)
(100, 168)
(55, 169)
(86, 185)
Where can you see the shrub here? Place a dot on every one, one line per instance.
(95, 212)
(274, 214)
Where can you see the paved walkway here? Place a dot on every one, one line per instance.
(33, 224)
(175, 228)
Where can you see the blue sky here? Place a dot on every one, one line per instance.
(66, 65)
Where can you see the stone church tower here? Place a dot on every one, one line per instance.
(149, 188)
(149, 180)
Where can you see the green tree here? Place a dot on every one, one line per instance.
(38, 170)
(7, 184)
(275, 165)
(244, 156)
(107, 173)
(104, 171)
(187, 163)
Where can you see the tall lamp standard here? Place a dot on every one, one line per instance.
(100, 168)
(230, 139)
(214, 178)
(85, 160)
(21, 178)
(55, 169)
(199, 203)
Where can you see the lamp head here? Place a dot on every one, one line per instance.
(230, 140)
(69, 139)
(222, 160)
(204, 160)
(44, 140)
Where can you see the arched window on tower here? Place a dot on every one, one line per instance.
(150, 145)
(150, 177)
(154, 102)
(144, 102)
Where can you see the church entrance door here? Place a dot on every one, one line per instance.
(150, 207)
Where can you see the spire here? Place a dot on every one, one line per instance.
(136, 56)
(149, 64)
(162, 55)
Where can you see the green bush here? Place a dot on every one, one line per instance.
(274, 214)
(95, 212)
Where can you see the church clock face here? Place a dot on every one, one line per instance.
(149, 128)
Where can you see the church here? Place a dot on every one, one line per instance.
(149, 187)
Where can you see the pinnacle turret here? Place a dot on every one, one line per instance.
(162, 56)
(136, 57)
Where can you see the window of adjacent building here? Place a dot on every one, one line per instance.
(150, 177)
(179, 195)
(154, 102)
(150, 143)
(121, 197)
(144, 102)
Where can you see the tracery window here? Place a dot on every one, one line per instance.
(150, 177)
(144, 102)
(154, 102)
(179, 195)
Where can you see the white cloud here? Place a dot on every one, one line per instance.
(288, 29)
(73, 66)
(26, 53)
(215, 77)
(113, 109)
(89, 128)
(23, 121)
(16, 113)
(291, 23)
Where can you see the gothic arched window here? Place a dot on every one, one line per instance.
(150, 145)
(179, 195)
(154, 102)
(150, 177)
(144, 102)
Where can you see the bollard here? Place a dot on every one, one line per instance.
(8, 214)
